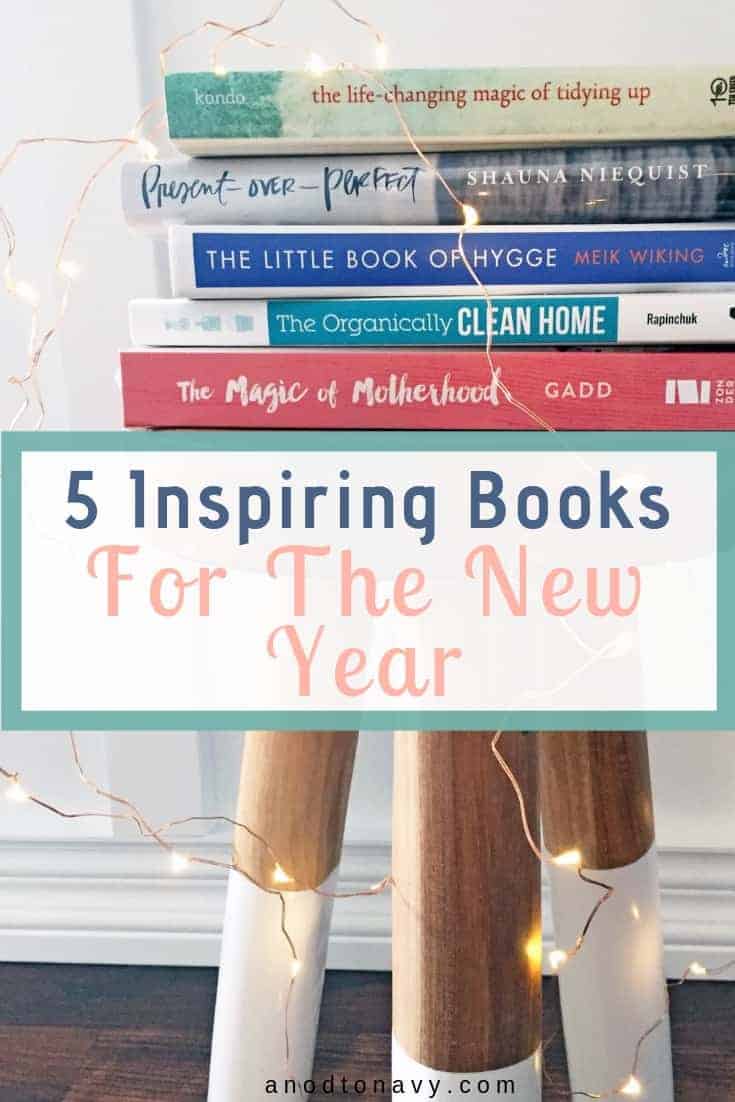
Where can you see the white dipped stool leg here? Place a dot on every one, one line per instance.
(597, 799)
(293, 792)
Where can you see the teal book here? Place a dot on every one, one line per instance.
(633, 319)
(251, 112)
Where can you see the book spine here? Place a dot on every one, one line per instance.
(684, 182)
(263, 262)
(583, 389)
(452, 322)
(295, 112)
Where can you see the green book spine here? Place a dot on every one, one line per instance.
(446, 108)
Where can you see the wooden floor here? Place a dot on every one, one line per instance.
(72, 1033)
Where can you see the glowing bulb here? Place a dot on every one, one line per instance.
(535, 950)
(381, 55)
(570, 857)
(557, 957)
(295, 968)
(280, 876)
(632, 1087)
(70, 269)
(220, 71)
(471, 217)
(16, 792)
(697, 969)
(635, 911)
(25, 292)
(621, 646)
(147, 149)
(316, 65)
(179, 862)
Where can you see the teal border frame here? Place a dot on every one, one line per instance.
(14, 444)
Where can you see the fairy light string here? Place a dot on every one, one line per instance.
(179, 861)
(572, 859)
(31, 391)
(28, 382)
(68, 272)
(631, 1086)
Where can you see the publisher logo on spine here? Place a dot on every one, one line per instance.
(727, 254)
(688, 392)
(722, 90)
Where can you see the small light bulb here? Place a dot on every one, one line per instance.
(622, 645)
(635, 911)
(316, 65)
(70, 269)
(25, 292)
(632, 1087)
(220, 70)
(697, 969)
(295, 968)
(280, 876)
(570, 858)
(147, 149)
(381, 55)
(557, 957)
(535, 950)
(16, 792)
(471, 217)
(179, 862)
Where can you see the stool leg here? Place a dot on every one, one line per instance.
(466, 917)
(294, 788)
(596, 797)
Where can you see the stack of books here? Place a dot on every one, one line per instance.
(318, 279)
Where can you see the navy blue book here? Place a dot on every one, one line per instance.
(307, 261)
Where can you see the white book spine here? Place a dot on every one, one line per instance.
(394, 188)
(204, 324)
(676, 318)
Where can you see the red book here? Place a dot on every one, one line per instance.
(434, 389)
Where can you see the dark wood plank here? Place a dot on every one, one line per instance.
(40, 1065)
(354, 1031)
(102, 1034)
(106, 996)
(143, 1065)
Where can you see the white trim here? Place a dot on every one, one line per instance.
(117, 903)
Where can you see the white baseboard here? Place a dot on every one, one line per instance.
(116, 903)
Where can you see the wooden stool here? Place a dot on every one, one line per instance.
(466, 912)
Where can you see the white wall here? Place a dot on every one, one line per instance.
(74, 70)
(69, 69)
